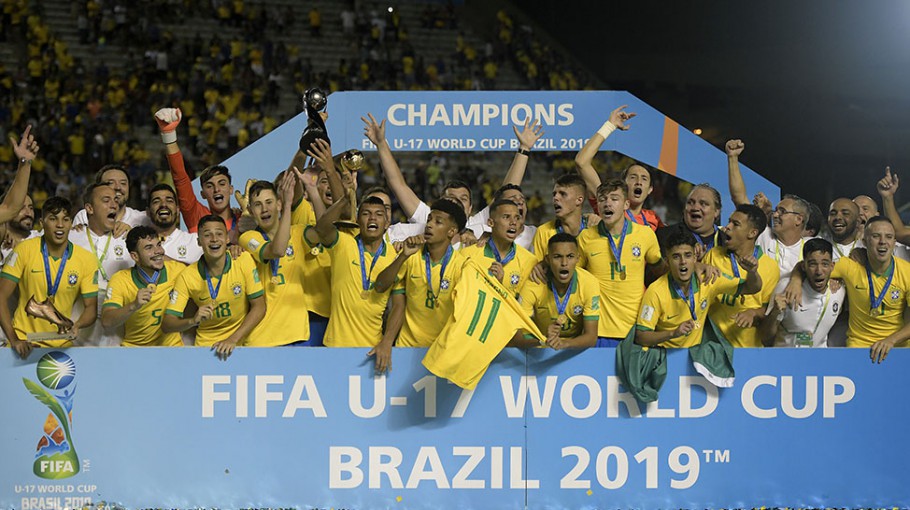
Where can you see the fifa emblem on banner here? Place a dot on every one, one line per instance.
(55, 455)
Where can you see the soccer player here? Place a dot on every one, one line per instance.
(423, 285)
(567, 305)
(808, 324)
(178, 244)
(227, 292)
(137, 297)
(737, 317)
(616, 252)
(108, 251)
(637, 177)
(117, 178)
(50, 268)
(355, 318)
(568, 200)
(843, 222)
(215, 180)
(508, 262)
(278, 248)
(675, 307)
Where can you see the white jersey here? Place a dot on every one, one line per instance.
(112, 259)
(843, 250)
(786, 256)
(131, 217)
(901, 251)
(401, 231)
(182, 246)
(809, 326)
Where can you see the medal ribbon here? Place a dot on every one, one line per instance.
(273, 263)
(52, 286)
(213, 291)
(617, 251)
(736, 266)
(364, 277)
(701, 241)
(875, 302)
(584, 225)
(149, 279)
(442, 270)
(499, 258)
(561, 303)
(690, 300)
(644, 220)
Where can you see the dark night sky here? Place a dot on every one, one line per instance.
(818, 90)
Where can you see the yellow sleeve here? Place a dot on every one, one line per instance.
(650, 308)
(726, 284)
(15, 264)
(401, 280)
(303, 214)
(89, 285)
(844, 268)
(254, 243)
(117, 290)
(770, 275)
(528, 297)
(179, 296)
(652, 248)
(251, 278)
(540, 244)
(590, 289)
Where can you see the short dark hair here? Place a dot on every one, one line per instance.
(611, 185)
(506, 187)
(500, 203)
(371, 201)
(260, 186)
(453, 209)
(137, 233)
(816, 219)
(561, 237)
(625, 172)
(877, 219)
(714, 193)
(112, 166)
(213, 171)
(210, 218)
(54, 205)
(571, 179)
(817, 244)
(678, 235)
(161, 187)
(377, 189)
(456, 184)
(755, 215)
(89, 192)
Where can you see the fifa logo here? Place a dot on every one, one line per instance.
(55, 456)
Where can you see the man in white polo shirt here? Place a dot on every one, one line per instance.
(178, 244)
(116, 177)
(809, 324)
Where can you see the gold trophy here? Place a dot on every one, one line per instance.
(45, 310)
(346, 163)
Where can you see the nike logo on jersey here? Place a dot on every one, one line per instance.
(36, 270)
(596, 253)
(671, 317)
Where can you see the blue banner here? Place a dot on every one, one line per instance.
(483, 120)
(312, 428)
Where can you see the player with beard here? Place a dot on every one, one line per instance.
(355, 317)
(737, 317)
(843, 223)
(48, 268)
(137, 297)
(423, 286)
(616, 253)
(675, 307)
(508, 261)
(568, 200)
(17, 213)
(117, 178)
(215, 181)
(178, 244)
(227, 292)
(808, 324)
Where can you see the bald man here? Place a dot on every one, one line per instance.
(843, 223)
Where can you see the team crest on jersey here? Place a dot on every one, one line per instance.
(576, 310)
(72, 278)
(118, 251)
(236, 289)
(636, 251)
(895, 295)
(173, 297)
(703, 304)
(514, 279)
(444, 284)
(290, 251)
(181, 250)
(834, 307)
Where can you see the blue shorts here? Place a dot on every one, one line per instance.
(318, 324)
(603, 341)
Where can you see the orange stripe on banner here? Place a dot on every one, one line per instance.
(669, 147)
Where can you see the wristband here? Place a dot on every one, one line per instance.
(169, 137)
(604, 130)
(23, 161)
(524, 152)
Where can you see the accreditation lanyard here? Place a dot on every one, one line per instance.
(99, 260)
(273, 263)
(364, 276)
(777, 250)
(584, 225)
(736, 266)
(499, 258)
(841, 253)
(442, 271)
(690, 300)
(617, 250)
(213, 291)
(52, 286)
(876, 301)
(641, 214)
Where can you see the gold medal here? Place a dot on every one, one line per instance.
(151, 287)
(561, 320)
(314, 251)
(697, 325)
(622, 274)
(365, 294)
(276, 280)
(875, 312)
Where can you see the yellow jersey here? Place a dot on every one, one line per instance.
(867, 326)
(355, 319)
(548, 230)
(303, 214)
(727, 305)
(664, 308)
(425, 314)
(77, 279)
(317, 273)
(143, 328)
(517, 270)
(283, 282)
(238, 283)
(620, 292)
(582, 304)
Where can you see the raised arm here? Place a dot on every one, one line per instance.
(375, 132)
(168, 119)
(585, 157)
(25, 150)
(279, 244)
(325, 226)
(738, 192)
(526, 140)
(386, 278)
(887, 187)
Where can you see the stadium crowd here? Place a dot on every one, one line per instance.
(471, 278)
